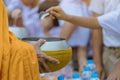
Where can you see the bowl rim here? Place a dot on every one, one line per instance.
(51, 39)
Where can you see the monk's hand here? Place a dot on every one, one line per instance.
(42, 56)
(115, 73)
(57, 12)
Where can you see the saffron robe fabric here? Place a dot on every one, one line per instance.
(18, 60)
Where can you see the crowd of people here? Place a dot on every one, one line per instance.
(82, 23)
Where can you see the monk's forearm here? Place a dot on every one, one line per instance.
(88, 22)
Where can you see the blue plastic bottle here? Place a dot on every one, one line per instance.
(86, 73)
(95, 76)
(61, 77)
(91, 64)
(76, 76)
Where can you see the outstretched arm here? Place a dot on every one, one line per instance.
(88, 22)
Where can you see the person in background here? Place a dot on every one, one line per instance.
(109, 23)
(74, 34)
(18, 60)
(27, 11)
(99, 9)
(51, 27)
(97, 42)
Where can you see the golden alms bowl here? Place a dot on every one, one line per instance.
(56, 48)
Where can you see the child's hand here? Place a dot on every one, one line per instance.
(57, 12)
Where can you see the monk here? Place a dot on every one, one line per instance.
(18, 60)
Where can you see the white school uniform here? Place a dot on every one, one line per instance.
(30, 18)
(109, 22)
(111, 26)
(80, 36)
(55, 32)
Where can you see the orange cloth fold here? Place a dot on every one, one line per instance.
(18, 60)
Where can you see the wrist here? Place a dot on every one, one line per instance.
(66, 17)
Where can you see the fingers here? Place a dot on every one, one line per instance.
(41, 70)
(114, 77)
(56, 8)
(43, 65)
(103, 76)
(44, 57)
(111, 77)
(55, 12)
(40, 42)
(48, 58)
(52, 17)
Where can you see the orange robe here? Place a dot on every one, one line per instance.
(18, 60)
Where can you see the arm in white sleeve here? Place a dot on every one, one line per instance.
(110, 21)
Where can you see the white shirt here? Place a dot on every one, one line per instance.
(75, 7)
(55, 32)
(30, 18)
(104, 6)
(111, 25)
(108, 22)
